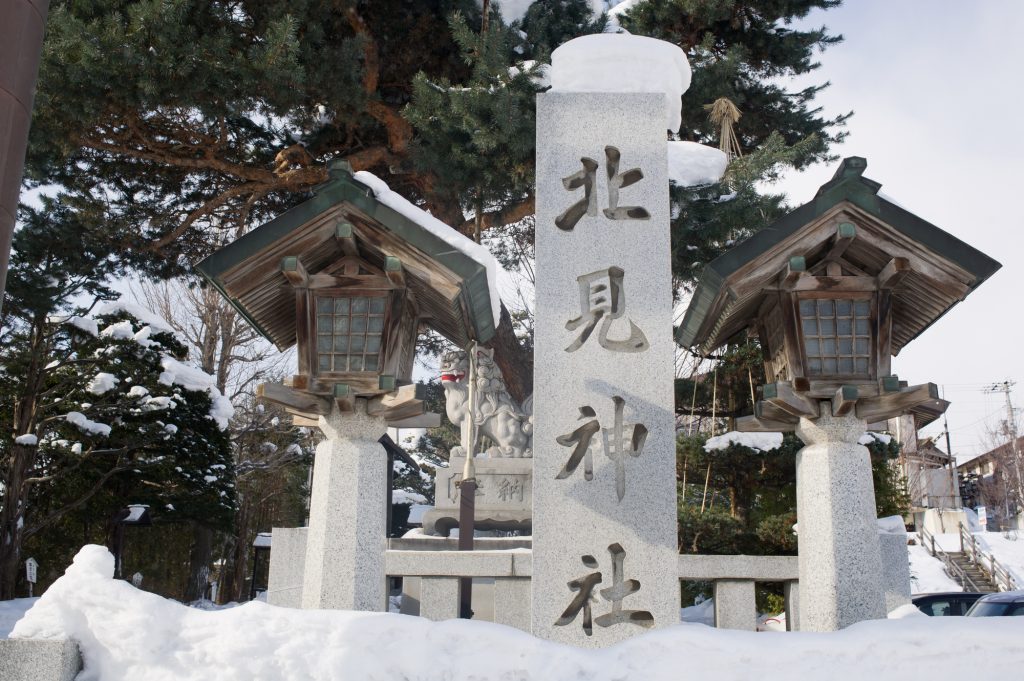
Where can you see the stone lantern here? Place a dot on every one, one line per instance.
(832, 291)
(349, 278)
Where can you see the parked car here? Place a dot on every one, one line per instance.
(1005, 604)
(953, 603)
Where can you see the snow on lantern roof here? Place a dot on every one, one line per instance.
(607, 62)
(452, 277)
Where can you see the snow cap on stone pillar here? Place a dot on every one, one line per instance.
(623, 63)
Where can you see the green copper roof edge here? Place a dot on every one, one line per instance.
(718, 270)
(854, 189)
(343, 187)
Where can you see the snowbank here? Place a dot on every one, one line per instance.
(464, 245)
(691, 164)
(759, 442)
(623, 63)
(127, 634)
(1008, 550)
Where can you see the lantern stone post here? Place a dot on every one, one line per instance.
(347, 515)
(840, 564)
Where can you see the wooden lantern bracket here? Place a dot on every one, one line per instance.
(401, 407)
(782, 406)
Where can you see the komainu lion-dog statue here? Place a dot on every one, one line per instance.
(498, 417)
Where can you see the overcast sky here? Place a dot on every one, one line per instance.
(936, 90)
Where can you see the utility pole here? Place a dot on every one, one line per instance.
(1011, 427)
(954, 487)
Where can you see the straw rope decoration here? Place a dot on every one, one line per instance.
(725, 115)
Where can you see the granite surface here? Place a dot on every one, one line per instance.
(504, 496)
(735, 605)
(841, 580)
(287, 566)
(347, 515)
(23, 659)
(605, 514)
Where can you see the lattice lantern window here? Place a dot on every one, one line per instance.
(349, 333)
(837, 336)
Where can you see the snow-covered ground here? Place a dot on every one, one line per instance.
(1008, 549)
(927, 574)
(130, 634)
(11, 612)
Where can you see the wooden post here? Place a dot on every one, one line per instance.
(21, 32)
(467, 491)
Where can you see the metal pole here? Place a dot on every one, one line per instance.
(467, 491)
(21, 34)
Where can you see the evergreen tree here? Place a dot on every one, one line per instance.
(477, 138)
(95, 403)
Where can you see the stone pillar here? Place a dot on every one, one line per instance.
(604, 487)
(895, 569)
(735, 604)
(840, 564)
(347, 515)
(791, 592)
(439, 598)
(287, 566)
(512, 602)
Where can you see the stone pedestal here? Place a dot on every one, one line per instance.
(504, 495)
(841, 579)
(346, 539)
(895, 569)
(604, 505)
(287, 566)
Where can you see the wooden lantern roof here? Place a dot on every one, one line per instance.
(849, 223)
(344, 218)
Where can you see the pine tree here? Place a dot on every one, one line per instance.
(477, 137)
(177, 109)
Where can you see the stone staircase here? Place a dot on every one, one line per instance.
(977, 580)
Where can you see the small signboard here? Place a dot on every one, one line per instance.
(31, 568)
(982, 517)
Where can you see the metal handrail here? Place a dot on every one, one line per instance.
(952, 569)
(999, 575)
